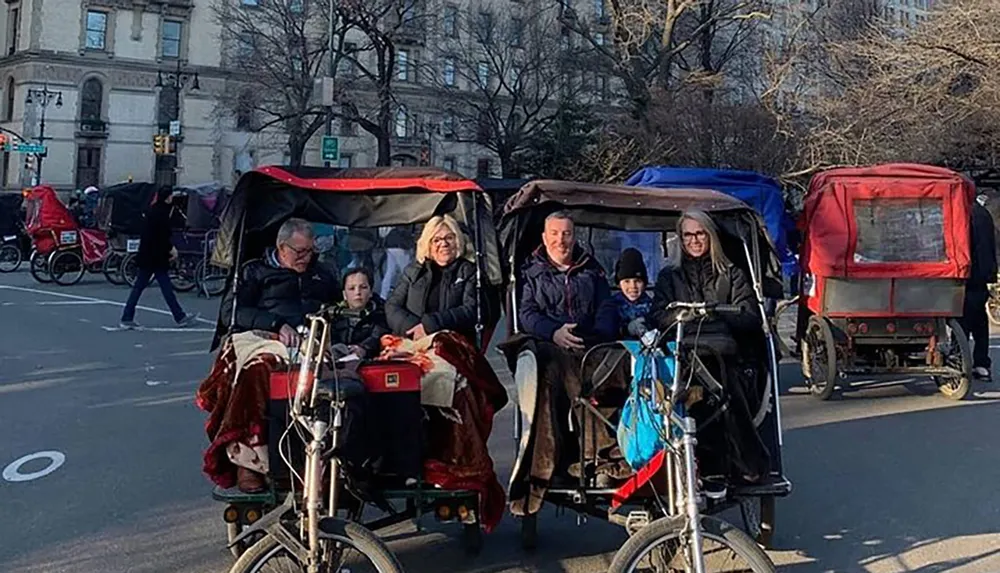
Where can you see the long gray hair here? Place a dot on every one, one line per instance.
(719, 261)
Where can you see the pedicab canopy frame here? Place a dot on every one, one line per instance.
(895, 222)
(121, 207)
(370, 197)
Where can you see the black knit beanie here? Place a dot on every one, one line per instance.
(630, 266)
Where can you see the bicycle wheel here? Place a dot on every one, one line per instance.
(112, 268)
(660, 547)
(181, 275)
(39, 265)
(10, 258)
(129, 269)
(211, 278)
(350, 547)
(66, 268)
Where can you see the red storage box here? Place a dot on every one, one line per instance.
(391, 376)
(283, 384)
(396, 418)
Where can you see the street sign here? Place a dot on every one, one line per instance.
(175, 128)
(331, 148)
(28, 148)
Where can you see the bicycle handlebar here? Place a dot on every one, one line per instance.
(704, 308)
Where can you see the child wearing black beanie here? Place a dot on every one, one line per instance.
(633, 302)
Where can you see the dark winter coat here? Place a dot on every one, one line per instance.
(579, 295)
(363, 328)
(271, 296)
(984, 249)
(695, 280)
(456, 304)
(154, 244)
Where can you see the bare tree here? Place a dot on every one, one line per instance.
(274, 50)
(503, 80)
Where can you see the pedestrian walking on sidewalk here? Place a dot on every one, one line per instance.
(983, 272)
(153, 261)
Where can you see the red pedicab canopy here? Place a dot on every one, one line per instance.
(887, 221)
(49, 221)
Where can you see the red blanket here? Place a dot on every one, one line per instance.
(457, 454)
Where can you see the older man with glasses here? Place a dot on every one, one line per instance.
(277, 291)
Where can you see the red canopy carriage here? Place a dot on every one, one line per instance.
(53, 229)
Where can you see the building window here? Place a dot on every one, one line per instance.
(449, 26)
(9, 110)
(485, 26)
(97, 30)
(516, 30)
(600, 10)
(402, 65)
(348, 127)
(483, 74)
(401, 123)
(171, 39)
(249, 2)
(91, 99)
(449, 72)
(13, 29)
(88, 167)
(244, 112)
(346, 68)
(483, 168)
(448, 164)
(346, 161)
(296, 6)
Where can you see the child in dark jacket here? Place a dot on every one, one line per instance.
(632, 300)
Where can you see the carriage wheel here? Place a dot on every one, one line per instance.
(39, 265)
(529, 532)
(67, 267)
(112, 268)
(181, 276)
(758, 518)
(10, 258)
(211, 279)
(960, 358)
(993, 310)
(819, 358)
(129, 269)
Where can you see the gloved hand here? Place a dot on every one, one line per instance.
(637, 327)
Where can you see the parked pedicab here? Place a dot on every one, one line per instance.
(298, 524)
(120, 214)
(14, 240)
(662, 500)
(885, 257)
(61, 251)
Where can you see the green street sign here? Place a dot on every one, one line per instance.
(27, 148)
(331, 148)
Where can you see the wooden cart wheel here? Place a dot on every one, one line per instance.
(819, 358)
(960, 357)
(529, 532)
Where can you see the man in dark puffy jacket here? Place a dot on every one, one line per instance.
(983, 272)
(566, 297)
(277, 291)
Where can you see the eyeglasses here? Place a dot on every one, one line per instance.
(447, 239)
(300, 253)
(699, 235)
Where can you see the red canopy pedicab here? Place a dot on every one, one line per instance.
(885, 256)
(62, 251)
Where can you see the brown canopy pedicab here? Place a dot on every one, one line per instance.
(884, 260)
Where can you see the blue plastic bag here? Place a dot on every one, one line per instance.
(641, 428)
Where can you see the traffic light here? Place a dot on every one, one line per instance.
(160, 144)
(3, 142)
(30, 162)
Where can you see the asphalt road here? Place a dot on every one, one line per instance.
(888, 479)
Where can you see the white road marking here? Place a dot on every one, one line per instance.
(156, 382)
(68, 302)
(12, 472)
(94, 300)
(156, 329)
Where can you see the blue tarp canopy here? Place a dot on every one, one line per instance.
(760, 192)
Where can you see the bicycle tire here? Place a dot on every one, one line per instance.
(181, 279)
(129, 268)
(714, 529)
(38, 264)
(346, 532)
(59, 276)
(112, 268)
(10, 258)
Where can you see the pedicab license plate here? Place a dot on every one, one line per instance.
(132, 246)
(67, 237)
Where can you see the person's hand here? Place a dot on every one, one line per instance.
(417, 332)
(357, 350)
(173, 253)
(288, 336)
(637, 327)
(566, 339)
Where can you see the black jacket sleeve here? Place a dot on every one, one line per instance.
(460, 318)
(984, 247)
(742, 295)
(663, 294)
(248, 315)
(398, 317)
(373, 342)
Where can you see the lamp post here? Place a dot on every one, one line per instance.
(44, 97)
(175, 80)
